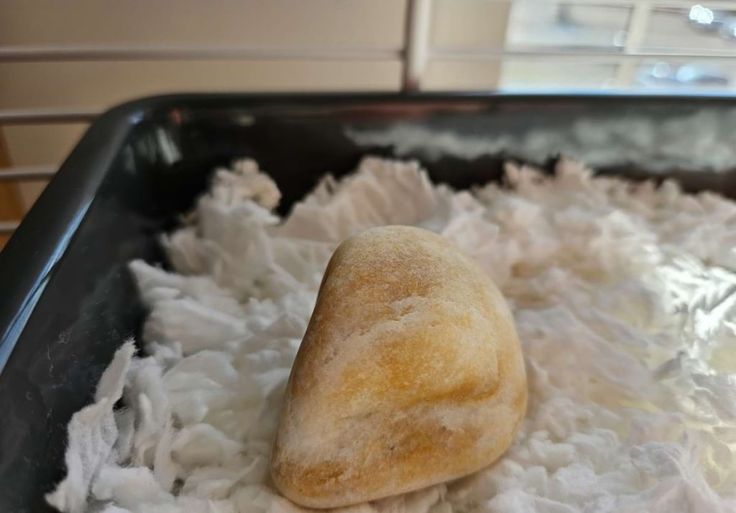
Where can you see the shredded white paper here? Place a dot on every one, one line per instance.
(702, 139)
(624, 297)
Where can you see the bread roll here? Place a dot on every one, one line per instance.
(410, 374)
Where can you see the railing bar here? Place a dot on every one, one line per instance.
(128, 53)
(43, 115)
(495, 54)
(27, 173)
(8, 227)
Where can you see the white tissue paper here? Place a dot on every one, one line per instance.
(624, 297)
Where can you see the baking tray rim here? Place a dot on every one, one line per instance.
(28, 261)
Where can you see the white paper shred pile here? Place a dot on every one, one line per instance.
(624, 298)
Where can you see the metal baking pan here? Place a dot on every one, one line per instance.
(67, 301)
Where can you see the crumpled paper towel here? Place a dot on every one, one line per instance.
(624, 298)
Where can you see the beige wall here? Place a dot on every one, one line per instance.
(466, 26)
(281, 23)
(369, 35)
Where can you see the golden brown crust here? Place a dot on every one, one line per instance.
(410, 374)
